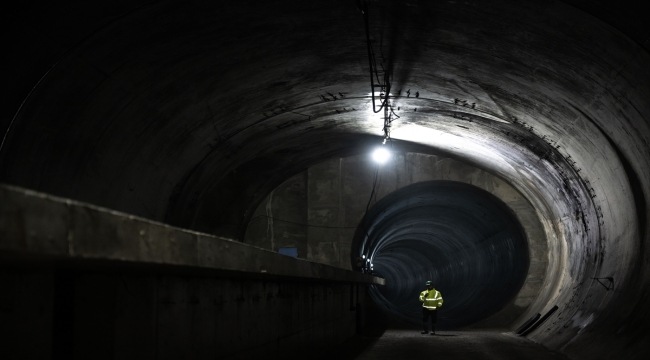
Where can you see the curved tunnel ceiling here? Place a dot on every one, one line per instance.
(464, 239)
(190, 113)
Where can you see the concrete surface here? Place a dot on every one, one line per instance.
(78, 281)
(400, 344)
(192, 112)
(39, 226)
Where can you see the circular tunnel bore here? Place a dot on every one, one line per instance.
(464, 239)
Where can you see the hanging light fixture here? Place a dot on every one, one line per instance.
(381, 155)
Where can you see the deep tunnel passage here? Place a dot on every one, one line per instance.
(464, 239)
(191, 113)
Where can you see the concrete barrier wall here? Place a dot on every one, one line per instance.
(80, 282)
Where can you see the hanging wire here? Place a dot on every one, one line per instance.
(376, 81)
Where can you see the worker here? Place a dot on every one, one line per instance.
(431, 300)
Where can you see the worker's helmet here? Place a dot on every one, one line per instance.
(428, 283)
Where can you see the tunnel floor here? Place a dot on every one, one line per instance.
(409, 344)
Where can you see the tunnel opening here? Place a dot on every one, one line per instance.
(464, 239)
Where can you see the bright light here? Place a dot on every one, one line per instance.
(381, 155)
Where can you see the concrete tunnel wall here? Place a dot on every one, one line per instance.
(191, 113)
(320, 210)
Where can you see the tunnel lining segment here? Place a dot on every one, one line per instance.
(462, 237)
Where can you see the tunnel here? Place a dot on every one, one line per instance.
(462, 238)
(156, 156)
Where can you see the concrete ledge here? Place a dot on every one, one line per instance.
(42, 226)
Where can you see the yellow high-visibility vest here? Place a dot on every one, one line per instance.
(431, 299)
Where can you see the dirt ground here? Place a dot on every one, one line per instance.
(396, 344)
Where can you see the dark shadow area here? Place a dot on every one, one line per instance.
(355, 346)
(377, 321)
